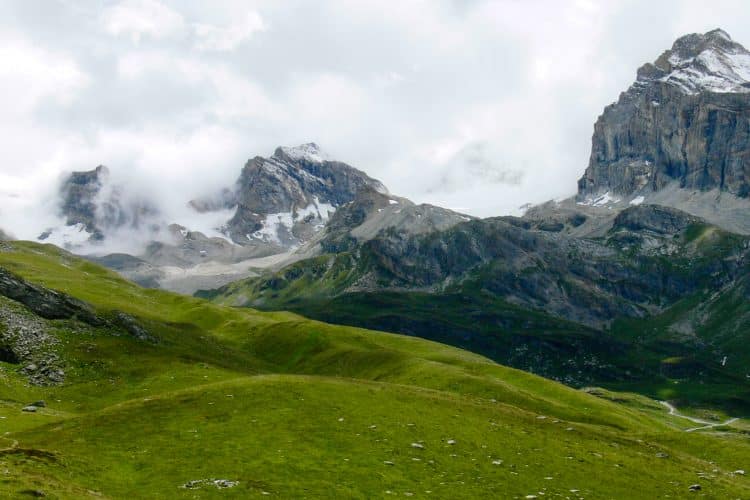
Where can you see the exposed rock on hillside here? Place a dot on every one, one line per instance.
(373, 211)
(654, 218)
(25, 340)
(44, 302)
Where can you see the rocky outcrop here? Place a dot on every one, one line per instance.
(654, 218)
(46, 303)
(25, 340)
(686, 119)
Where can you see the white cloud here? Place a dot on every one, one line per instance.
(183, 92)
(226, 38)
(139, 18)
(28, 74)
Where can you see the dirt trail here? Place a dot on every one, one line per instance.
(705, 424)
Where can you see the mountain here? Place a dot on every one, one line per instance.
(536, 299)
(273, 214)
(685, 121)
(284, 200)
(110, 390)
(630, 284)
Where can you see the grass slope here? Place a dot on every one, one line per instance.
(294, 408)
(677, 354)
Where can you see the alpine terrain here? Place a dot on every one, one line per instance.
(639, 282)
(305, 333)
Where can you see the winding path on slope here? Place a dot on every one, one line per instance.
(705, 424)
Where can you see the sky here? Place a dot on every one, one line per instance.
(480, 106)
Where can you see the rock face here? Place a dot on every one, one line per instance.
(686, 119)
(79, 195)
(287, 198)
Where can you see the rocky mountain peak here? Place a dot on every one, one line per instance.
(285, 199)
(709, 62)
(686, 120)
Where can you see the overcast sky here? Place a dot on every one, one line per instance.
(474, 105)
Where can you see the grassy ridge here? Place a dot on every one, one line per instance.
(297, 408)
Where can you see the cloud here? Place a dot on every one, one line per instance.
(225, 38)
(495, 98)
(142, 18)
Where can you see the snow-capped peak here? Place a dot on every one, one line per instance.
(711, 62)
(310, 152)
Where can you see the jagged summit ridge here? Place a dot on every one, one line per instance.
(309, 152)
(710, 62)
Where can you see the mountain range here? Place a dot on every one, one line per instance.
(661, 220)
(632, 295)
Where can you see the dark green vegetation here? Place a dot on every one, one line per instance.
(161, 390)
(653, 306)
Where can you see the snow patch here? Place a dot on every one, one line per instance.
(600, 201)
(309, 152)
(393, 202)
(637, 200)
(282, 223)
(714, 70)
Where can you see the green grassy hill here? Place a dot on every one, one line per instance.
(671, 294)
(277, 405)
